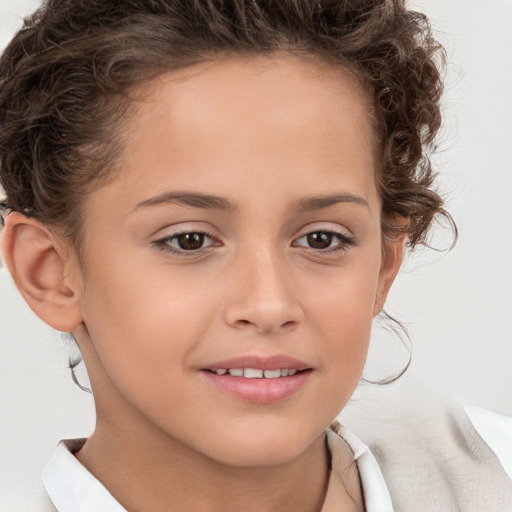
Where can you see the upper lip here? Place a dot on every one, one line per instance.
(273, 362)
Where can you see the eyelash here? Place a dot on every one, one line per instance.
(163, 244)
(344, 240)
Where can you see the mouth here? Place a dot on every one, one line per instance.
(257, 379)
(257, 373)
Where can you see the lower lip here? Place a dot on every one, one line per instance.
(258, 391)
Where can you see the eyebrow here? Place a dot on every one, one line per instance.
(324, 201)
(193, 199)
(207, 201)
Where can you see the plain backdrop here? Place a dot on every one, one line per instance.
(457, 306)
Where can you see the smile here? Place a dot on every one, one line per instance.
(254, 373)
(256, 385)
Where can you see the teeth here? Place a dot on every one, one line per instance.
(252, 373)
(255, 373)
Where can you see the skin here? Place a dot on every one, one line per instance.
(264, 134)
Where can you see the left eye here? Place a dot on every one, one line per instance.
(323, 240)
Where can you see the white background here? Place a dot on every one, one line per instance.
(458, 306)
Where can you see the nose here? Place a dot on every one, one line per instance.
(263, 294)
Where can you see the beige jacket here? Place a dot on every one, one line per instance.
(431, 456)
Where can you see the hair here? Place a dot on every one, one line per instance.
(67, 75)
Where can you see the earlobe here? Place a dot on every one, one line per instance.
(42, 270)
(393, 254)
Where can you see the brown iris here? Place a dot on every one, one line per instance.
(190, 241)
(319, 240)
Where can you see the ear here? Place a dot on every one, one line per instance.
(44, 269)
(392, 257)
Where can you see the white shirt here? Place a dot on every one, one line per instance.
(73, 489)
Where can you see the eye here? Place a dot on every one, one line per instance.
(325, 241)
(185, 242)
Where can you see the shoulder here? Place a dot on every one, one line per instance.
(496, 431)
(33, 499)
(430, 453)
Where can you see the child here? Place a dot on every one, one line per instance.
(214, 198)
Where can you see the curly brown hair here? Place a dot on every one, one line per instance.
(65, 80)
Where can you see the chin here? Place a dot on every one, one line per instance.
(253, 448)
(256, 458)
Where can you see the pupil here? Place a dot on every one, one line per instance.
(190, 241)
(320, 240)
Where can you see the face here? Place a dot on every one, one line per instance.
(242, 236)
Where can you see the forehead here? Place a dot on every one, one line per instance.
(270, 123)
(295, 90)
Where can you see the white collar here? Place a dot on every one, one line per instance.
(375, 490)
(71, 487)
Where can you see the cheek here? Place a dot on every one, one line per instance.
(343, 317)
(143, 326)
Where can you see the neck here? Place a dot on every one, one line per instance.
(162, 471)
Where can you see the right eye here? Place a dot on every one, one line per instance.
(191, 242)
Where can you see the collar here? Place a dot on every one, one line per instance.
(71, 487)
(375, 491)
